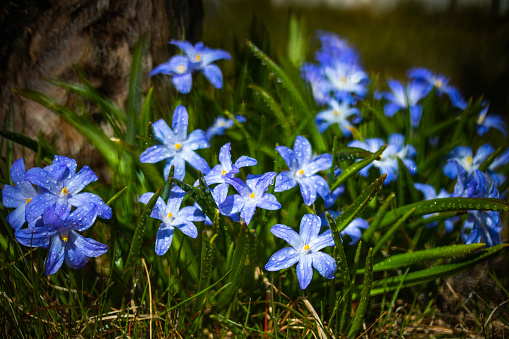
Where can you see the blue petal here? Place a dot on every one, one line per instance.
(189, 229)
(183, 83)
(163, 132)
(179, 170)
(164, 238)
(284, 181)
(307, 190)
(309, 227)
(213, 74)
(289, 157)
(196, 140)
(428, 191)
(44, 179)
(244, 161)
(73, 257)
(225, 157)
(179, 123)
(302, 149)
(81, 179)
(56, 255)
(232, 204)
(17, 217)
(305, 271)
(186, 46)
(88, 247)
(320, 163)
(324, 264)
(287, 234)
(190, 213)
(247, 212)
(214, 54)
(415, 115)
(38, 205)
(269, 202)
(263, 183)
(13, 197)
(282, 259)
(156, 153)
(103, 210)
(195, 160)
(390, 109)
(33, 237)
(241, 187)
(219, 193)
(323, 240)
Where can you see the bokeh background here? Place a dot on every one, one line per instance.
(467, 40)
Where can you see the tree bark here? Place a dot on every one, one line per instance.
(44, 39)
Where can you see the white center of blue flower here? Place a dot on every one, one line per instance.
(64, 192)
(305, 249)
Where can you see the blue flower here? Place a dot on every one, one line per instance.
(388, 163)
(18, 196)
(430, 193)
(338, 113)
(60, 234)
(320, 87)
(177, 147)
(406, 98)
(305, 250)
(172, 216)
(220, 125)
(346, 78)
(61, 186)
(179, 70)
(353, 230)
(225, 169)
(303, 171)
(463, 156)
(441, 83)
(201, 58)
(481, 226)
(251, 195)
(485, 122)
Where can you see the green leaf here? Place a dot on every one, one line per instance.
(276, 108)
(365, 295)
(134, 251)
(387, 235)
(88, 129)
(356, 167)
(435, 158)
(46, 149)
(407, 259)
(208, 207)
(351, 153)
(441, 271)
(447, 205)
(364, 198)
(483, 167)
(147, 114)
(378, 218)
(205, 269)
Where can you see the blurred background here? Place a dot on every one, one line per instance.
(467, 40)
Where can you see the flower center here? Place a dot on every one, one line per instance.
(252, 195)
(301, 172)
(335, 112)
(181, 69)
(306, 247)
(198, 57)
(469, 160)
(64, 191)
(438, 83)
(170, 215)
(28, 200)
(177, 146)
(343, 79)
(65, 236)
(223, 172)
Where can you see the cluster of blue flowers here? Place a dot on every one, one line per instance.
(197, 58)
(55, 211)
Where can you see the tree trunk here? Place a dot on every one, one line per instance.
(43, 39)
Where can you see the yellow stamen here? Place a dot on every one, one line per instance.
(223, 172)
(252, 195)
(335, 112)
(301, 172)
(28, 200)
(438, 83)
(469, 160)
(198, 57)
(306, 247)
(170, 215)
(181, 69)
(65, 237)
(177, 146)
(343, 79)
(64, 190)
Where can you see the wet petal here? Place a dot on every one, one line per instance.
(88, 247)
(309, 227)
(304, 271)
(282, 259)
(56, 255)
(287, 234)
(324, 264)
